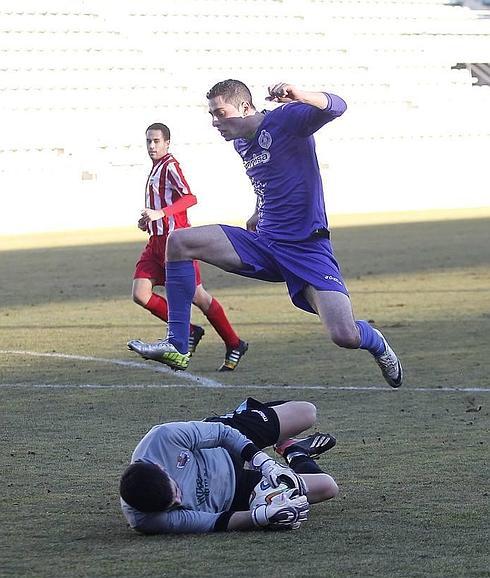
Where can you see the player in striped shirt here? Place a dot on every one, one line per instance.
(287, 239)
(167, 198)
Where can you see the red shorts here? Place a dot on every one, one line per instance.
(151, 264)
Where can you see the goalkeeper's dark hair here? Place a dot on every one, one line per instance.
(161, 127)
(233, 91)
(146, 487)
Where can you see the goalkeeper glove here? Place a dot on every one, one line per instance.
(276, 473)
(283, 513)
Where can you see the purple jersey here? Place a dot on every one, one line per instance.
(283, 168)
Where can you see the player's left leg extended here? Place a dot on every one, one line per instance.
(335, 310)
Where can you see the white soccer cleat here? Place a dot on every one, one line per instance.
(390, 365)
(162, 351)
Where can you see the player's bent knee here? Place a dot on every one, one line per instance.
(347, 340)
(295, 416)
(329, 488)
(309, 411)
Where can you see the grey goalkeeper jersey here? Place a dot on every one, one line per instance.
(195, 455)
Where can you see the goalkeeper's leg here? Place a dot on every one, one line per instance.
(294, 417)
(321, 487)
(299, 455)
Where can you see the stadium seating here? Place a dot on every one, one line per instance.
(83, 79)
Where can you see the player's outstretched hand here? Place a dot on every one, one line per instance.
(283, 92)
(283, 513)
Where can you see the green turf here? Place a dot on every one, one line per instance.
(411, 465)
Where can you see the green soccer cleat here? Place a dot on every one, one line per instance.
(162, 351)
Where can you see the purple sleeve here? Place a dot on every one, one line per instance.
(303, 120)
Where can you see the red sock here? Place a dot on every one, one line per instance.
(157, 306)
(217, 317)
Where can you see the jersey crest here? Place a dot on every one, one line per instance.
(265, 139)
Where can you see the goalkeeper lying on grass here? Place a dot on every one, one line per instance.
(212, 475)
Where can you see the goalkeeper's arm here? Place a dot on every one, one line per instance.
(283, 513)
(235, 521)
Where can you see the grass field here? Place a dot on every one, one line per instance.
(412, 464)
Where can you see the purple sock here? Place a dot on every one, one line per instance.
(370, 340)
(180, 286)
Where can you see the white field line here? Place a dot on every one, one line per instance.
(196, 379)
(202, 381)
(228, 386)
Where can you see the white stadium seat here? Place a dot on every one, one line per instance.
(108, 69)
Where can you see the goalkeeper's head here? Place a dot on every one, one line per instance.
(148, 488)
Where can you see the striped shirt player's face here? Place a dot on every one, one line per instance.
(231, 122)
(156, 145)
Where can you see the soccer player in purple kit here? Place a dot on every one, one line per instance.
(287, 239)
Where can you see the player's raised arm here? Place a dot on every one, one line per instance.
(308, 112)
(284, 92)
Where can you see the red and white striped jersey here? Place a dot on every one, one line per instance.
(166, 185)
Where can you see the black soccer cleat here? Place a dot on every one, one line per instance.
(312, 446)
(233, 356)
(197, 333)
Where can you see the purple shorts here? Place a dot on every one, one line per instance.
(297, 263)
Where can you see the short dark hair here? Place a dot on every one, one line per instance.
(232, 91)
(146, 487)
(162, 127)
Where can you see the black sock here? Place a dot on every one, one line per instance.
(303, 464)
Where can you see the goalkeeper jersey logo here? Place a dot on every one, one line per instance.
(183, 459)
(202, 489)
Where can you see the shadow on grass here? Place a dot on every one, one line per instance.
(38, 276)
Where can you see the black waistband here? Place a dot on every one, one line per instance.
(322, 233)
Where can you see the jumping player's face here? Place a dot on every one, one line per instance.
(229, 120)
(156, 145)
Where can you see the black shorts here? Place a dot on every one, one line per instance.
(255, 420)
(259, 423)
